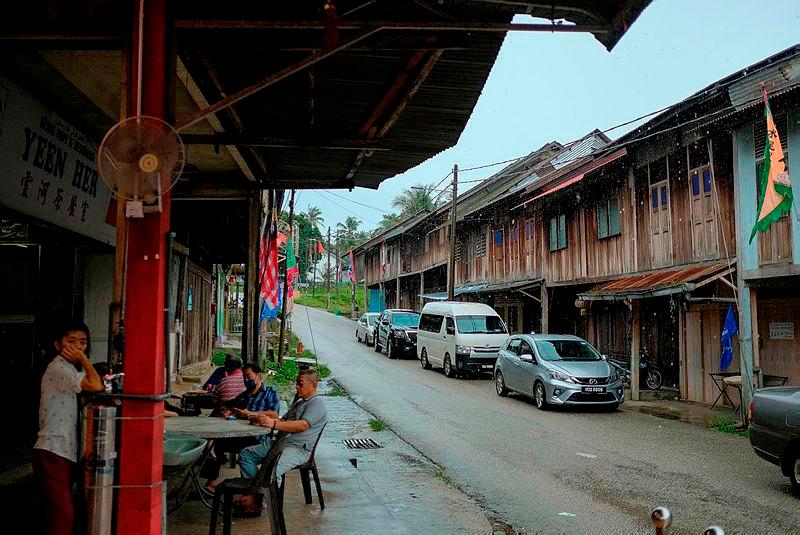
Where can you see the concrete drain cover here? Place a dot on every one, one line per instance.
(361, 444)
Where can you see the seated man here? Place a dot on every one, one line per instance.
(301, 425)
(232, 385)
(257, 399)
(217, 375)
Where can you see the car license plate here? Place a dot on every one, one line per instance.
(594, 389)
(487, 366)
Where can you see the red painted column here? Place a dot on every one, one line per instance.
(141, 448)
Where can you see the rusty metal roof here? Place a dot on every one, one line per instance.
(658, 283)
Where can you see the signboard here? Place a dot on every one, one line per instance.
(783, 330)
(48, 169)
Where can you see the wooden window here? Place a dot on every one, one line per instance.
(703, 213)
(660, 224)
(529, 229)
(480, 243)
(608, 218)
(558, 232)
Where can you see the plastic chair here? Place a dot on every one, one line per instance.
(309, 466)
(265, 482)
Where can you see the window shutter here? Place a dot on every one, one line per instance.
(553, 234)
(760, 133)
(562, 231)
(613, 216)
(602, 219)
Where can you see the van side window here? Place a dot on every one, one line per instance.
(451, 326)
(430, 323)
(513, 346)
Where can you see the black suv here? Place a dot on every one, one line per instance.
(396, 330)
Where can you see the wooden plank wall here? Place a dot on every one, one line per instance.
(198, 320)
(722, 147)
(780, 357)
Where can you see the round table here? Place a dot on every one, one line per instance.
(208, 427)
(212, 427)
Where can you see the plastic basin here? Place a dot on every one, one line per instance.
(180, 450)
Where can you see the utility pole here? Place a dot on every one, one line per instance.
(338, 264)
(451, 271)
(285, 289)
(328, 272)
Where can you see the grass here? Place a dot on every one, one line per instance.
(342, 305)
(218, 354)
(724, 424)
(377, 425)
(337, 391)
(446, 479)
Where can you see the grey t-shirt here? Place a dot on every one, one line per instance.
(311, 410)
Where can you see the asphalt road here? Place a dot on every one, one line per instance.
(564, 471)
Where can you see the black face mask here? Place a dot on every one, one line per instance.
(250, 384)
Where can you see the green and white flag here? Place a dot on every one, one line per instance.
(775, 195)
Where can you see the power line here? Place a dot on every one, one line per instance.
(319, 192)
(358, 203)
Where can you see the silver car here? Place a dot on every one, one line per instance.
(365, 328)
(557, 370)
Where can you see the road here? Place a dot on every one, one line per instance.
(564, 471)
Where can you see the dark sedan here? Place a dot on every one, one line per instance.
(775, 429)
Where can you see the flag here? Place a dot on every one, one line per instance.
(281, 238)
(291, 269)
(320, 248)
(351, 271)
(775, 195)
(300, 348)
(270, 287)
(728, 331)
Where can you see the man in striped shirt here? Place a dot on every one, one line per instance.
(232, 385)
(256, 399)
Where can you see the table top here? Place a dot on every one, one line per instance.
(212, 427)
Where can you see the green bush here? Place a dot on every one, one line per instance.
(218, 355)
(286, 374)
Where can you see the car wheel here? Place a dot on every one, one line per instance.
(377, 344)
(448, 367)
(423, 360)
(794, 474)
(390, 352)
(540, 396)
(500, 385)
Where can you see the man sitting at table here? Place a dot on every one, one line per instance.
(298, 428)
(257, 399)
(230, 386)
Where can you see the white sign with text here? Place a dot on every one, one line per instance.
(48, 169)
(781, 330)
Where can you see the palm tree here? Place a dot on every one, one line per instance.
(314, 216)
(388, 221)
(415, 199)
(349, 228)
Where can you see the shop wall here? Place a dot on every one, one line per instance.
(98, 286)
(198, 316)
(703, 351)
(779, 342)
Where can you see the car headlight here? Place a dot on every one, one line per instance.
(401, 334)
(463, 350)
(558, 376)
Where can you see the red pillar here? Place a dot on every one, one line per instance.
(141, 448)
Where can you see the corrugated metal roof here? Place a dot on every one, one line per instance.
(777, 79)
(659, 282)
(579, 149)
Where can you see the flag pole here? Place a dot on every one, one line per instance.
(285, 290)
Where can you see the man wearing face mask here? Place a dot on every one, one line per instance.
(256, 399)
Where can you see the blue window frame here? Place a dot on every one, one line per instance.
(707, 181)
(663, 195)
(695, 185)
(655, 198)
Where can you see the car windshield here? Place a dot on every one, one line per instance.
(410, 319)
(480, 325)
(566, 350)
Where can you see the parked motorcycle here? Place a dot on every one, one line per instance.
(649, 375)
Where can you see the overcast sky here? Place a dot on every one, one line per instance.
(558, 87)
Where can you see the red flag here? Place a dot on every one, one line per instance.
(351, 271)
(281, 238)
(320, 248)
(269, 267)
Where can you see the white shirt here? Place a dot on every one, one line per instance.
(58, 409)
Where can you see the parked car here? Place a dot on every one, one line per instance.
(460, 337)
(365, 328)
(557, 370)
(396, 331)
(775, 428)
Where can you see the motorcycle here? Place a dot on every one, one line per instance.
(649, 375)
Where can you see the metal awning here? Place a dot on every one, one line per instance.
(659, 283)
(459, 290)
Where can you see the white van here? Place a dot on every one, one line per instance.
(459, 337)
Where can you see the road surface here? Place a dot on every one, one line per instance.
(564, 471)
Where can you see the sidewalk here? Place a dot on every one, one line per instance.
(391, 489)
(658, 404)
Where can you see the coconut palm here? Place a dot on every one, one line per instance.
(348, 229)
(415, 199)
(314, 216)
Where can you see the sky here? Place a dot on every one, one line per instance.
(558, 87)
